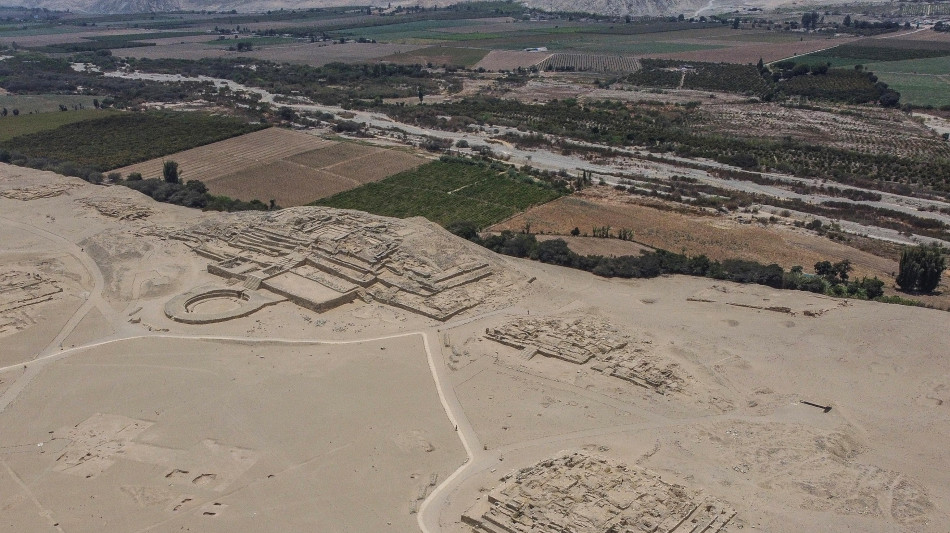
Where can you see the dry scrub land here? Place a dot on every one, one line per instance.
(290, 167)
(656, 224)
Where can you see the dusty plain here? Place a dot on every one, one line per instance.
(378, 413)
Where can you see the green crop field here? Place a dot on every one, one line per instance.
(120, 139)
(422, 29)
(446, 192)
(26, 124)
(835, 62)
(105, 42)
(44, 103)
(921, 89)
(933, 65)
(254, 41)
(465, 57)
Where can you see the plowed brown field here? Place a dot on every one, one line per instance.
(308, 176)
(212, 161)
(290, 167)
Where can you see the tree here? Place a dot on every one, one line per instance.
(847, 20)
(842, 268)
(555, 252)
(921, 268)
(16, 112)
(170, 172)
(810, 20)
(464, 229)
(421, 94)
(575, 232)
(824, 269)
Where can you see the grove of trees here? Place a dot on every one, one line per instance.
(921, 268)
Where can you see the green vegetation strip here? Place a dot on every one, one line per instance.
(105, 42)
(881, 53)
(448, 191)
(121, 139)
(15, 126)
(44, 103)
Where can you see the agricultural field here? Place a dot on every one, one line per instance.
(27, 124)
(696, 232)
(254, 42)
(916, 66)
(316, 174)
(724, 77)
(215, 160)
(749, 52)
(855, 128)
(307, 53)
(439, 55)
(887, 50)
(446, 192)
(919, 89)
(939, 66)
(499, 60)
(325, 169)
(121, 139)
(108, 42)
(290, 167)
(589, 63)
(44, 103)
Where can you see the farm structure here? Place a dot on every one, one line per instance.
(323, 258)
(586, 494)
(580, 340)
(590, 63)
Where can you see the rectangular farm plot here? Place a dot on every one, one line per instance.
(304, 177)
(210, 162)
(333, 154)
(285, 182)
(446, 192)
(375, 166)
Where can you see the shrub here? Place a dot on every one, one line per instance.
(921, 268)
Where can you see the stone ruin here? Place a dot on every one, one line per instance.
(19, 292)
(585, 340)
(119, 208)
(324, 258)
(579, 493)
(40, 191)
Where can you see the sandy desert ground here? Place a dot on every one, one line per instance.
(310, 369)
